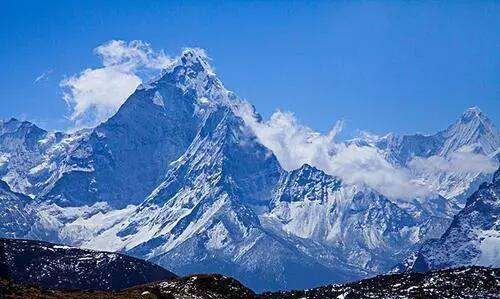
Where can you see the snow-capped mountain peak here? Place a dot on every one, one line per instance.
(472, 128)
(471, 113)
(192, 62)
(192, 73)
(196, 58)
(18, 127)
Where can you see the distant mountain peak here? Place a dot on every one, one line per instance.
(308, 172)
(473, 115)
(191, 62)
(306, 167)
(192, 65)
(473, 109)
(473, 127)
(16, 123)
(22, 129)
(12, 119)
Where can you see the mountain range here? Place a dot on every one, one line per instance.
(178, 177)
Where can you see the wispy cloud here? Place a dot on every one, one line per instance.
(43, 76)
(293, 143)
(460, 161)
(96, 94)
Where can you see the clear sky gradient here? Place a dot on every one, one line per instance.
(395, 66)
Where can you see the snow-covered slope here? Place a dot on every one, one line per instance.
(473, 237)
(353, 225)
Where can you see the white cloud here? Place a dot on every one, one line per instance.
(96, 94)
(43, 76)
(367, 165)
(132, 55)
(461, 161)
(293, 143)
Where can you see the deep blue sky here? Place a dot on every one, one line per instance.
(402, 66)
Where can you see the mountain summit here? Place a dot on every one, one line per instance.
(473, 128)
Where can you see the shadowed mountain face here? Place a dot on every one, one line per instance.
(61, 267)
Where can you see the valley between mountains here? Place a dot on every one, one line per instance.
(182, 176)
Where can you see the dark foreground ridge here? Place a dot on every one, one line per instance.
(212, 286)
(465, 282)
(33, 269)
(61, 267)
(471, 282)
